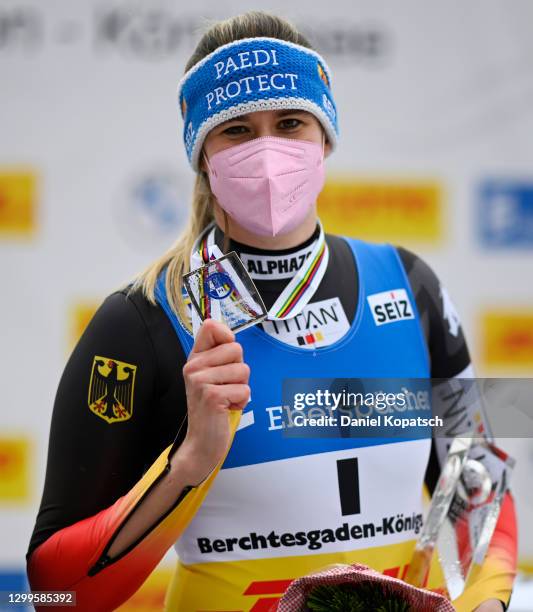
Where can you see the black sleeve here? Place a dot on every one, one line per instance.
(92, 460)
(442, 328)
(448, 351)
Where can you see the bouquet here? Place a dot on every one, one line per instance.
(358, 588)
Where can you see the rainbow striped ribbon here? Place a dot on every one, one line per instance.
(299, 290)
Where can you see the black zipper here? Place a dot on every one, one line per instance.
(105, 560)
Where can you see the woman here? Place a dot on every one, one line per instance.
(122, 486)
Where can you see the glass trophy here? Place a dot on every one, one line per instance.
(463, 512)
(223, 290)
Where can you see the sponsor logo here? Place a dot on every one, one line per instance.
(219, 285)
(266, 587)
(508, 338)
(505, 211)
(111, 389)
(278, 587)
(153, 208)
(270, 592)
(275, 266)
(247, 85)
(319, 324)
(382, 211)
(390, 306)
(14, 469)
(17, 203)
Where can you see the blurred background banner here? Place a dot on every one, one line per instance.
(435, 105)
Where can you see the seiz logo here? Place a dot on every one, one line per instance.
(390, 306)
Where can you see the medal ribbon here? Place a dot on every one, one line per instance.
(298, 291)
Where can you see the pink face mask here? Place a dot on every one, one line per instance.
(268, 184)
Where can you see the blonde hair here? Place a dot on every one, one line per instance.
(176, 259)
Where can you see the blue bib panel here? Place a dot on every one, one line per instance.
(368, 350)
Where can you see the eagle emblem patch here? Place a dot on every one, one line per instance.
(111, 389)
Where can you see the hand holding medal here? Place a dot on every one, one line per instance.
(224, 300)
(216, 383)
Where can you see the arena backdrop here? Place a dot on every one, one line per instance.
(435, 105)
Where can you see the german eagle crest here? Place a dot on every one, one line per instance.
(111, 389)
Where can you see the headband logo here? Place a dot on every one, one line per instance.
(241, 61)
(322, 75)
(183, 107)
(249, 84)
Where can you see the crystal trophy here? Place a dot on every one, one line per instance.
(463, 512)
(223, 290)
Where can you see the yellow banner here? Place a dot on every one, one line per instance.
(17, 203)
(382, 211)
(14, 469)
(80, 315)
(507, 338)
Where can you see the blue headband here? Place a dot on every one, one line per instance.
(254, 74)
